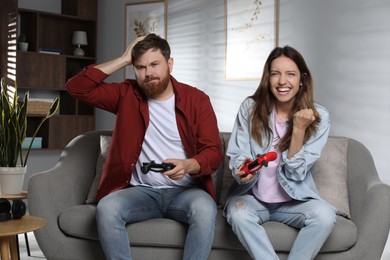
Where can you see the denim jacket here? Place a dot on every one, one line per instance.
(294, 174)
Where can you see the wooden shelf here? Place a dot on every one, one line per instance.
(40, 71)
(37, 72)
(49, 30)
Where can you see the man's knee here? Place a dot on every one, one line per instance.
(325, 216)
(205, 206)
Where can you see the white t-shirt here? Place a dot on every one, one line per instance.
(162, 141)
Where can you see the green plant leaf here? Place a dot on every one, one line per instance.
(13, 126)
(52, 111)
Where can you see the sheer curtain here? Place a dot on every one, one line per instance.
(196, 33)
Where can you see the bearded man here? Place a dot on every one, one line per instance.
(157, 119)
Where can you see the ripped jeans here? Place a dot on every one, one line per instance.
(314, 218)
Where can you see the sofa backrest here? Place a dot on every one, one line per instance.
(329, 173)
(222, 178)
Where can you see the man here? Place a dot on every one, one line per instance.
(160, 119)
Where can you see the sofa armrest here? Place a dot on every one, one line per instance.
(65, 185)
(368, 200)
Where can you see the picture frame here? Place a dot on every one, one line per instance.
(251, 33)
(144, 18)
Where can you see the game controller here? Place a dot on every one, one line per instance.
(261, 160)
(156, 167)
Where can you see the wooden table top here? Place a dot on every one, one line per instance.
(19, 226)
(22, 195)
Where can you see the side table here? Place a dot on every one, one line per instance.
(13, 197)
(11, 228)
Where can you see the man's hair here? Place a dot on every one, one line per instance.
(151, 41)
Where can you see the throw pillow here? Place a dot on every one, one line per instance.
(330, 175)
(104, 146)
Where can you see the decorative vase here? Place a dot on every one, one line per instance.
(11, 179)
(23, 46)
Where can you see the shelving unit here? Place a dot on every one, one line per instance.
(37, 72)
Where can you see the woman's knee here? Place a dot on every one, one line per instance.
(237, 213)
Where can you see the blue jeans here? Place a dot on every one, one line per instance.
(314, 218)
(188, 205)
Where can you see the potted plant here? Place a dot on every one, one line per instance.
(23, 44)
(13, 126)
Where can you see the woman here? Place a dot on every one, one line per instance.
(280, 116)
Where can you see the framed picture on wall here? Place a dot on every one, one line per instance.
(250, 35)
(142, 19)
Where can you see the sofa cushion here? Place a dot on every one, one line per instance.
(330, 175)
(79, 221)
(104, 145)
(282, 237)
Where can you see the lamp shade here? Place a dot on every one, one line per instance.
(79, 38)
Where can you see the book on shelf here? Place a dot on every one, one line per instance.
(37, 143)
(50, 50)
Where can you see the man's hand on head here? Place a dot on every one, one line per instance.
(126, 56)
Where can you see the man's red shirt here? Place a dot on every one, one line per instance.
(196, 121)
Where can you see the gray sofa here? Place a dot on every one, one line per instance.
(59, 196)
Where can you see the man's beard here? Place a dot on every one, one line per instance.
(154, 86)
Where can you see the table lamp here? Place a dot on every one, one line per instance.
(79, 39)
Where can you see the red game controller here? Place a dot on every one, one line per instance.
(261, 160)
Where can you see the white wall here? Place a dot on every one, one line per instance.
(345, 44)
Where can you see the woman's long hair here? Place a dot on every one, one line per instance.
(265, 100)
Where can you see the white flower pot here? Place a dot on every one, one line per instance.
(11, 179)
(23, 46)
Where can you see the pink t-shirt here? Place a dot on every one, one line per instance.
(267, 188)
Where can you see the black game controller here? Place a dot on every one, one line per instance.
(156, 167)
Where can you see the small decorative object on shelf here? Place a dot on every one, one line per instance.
(23, 44)
(38, 106)
(36, 143)
(79, 39)
(50, 50)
